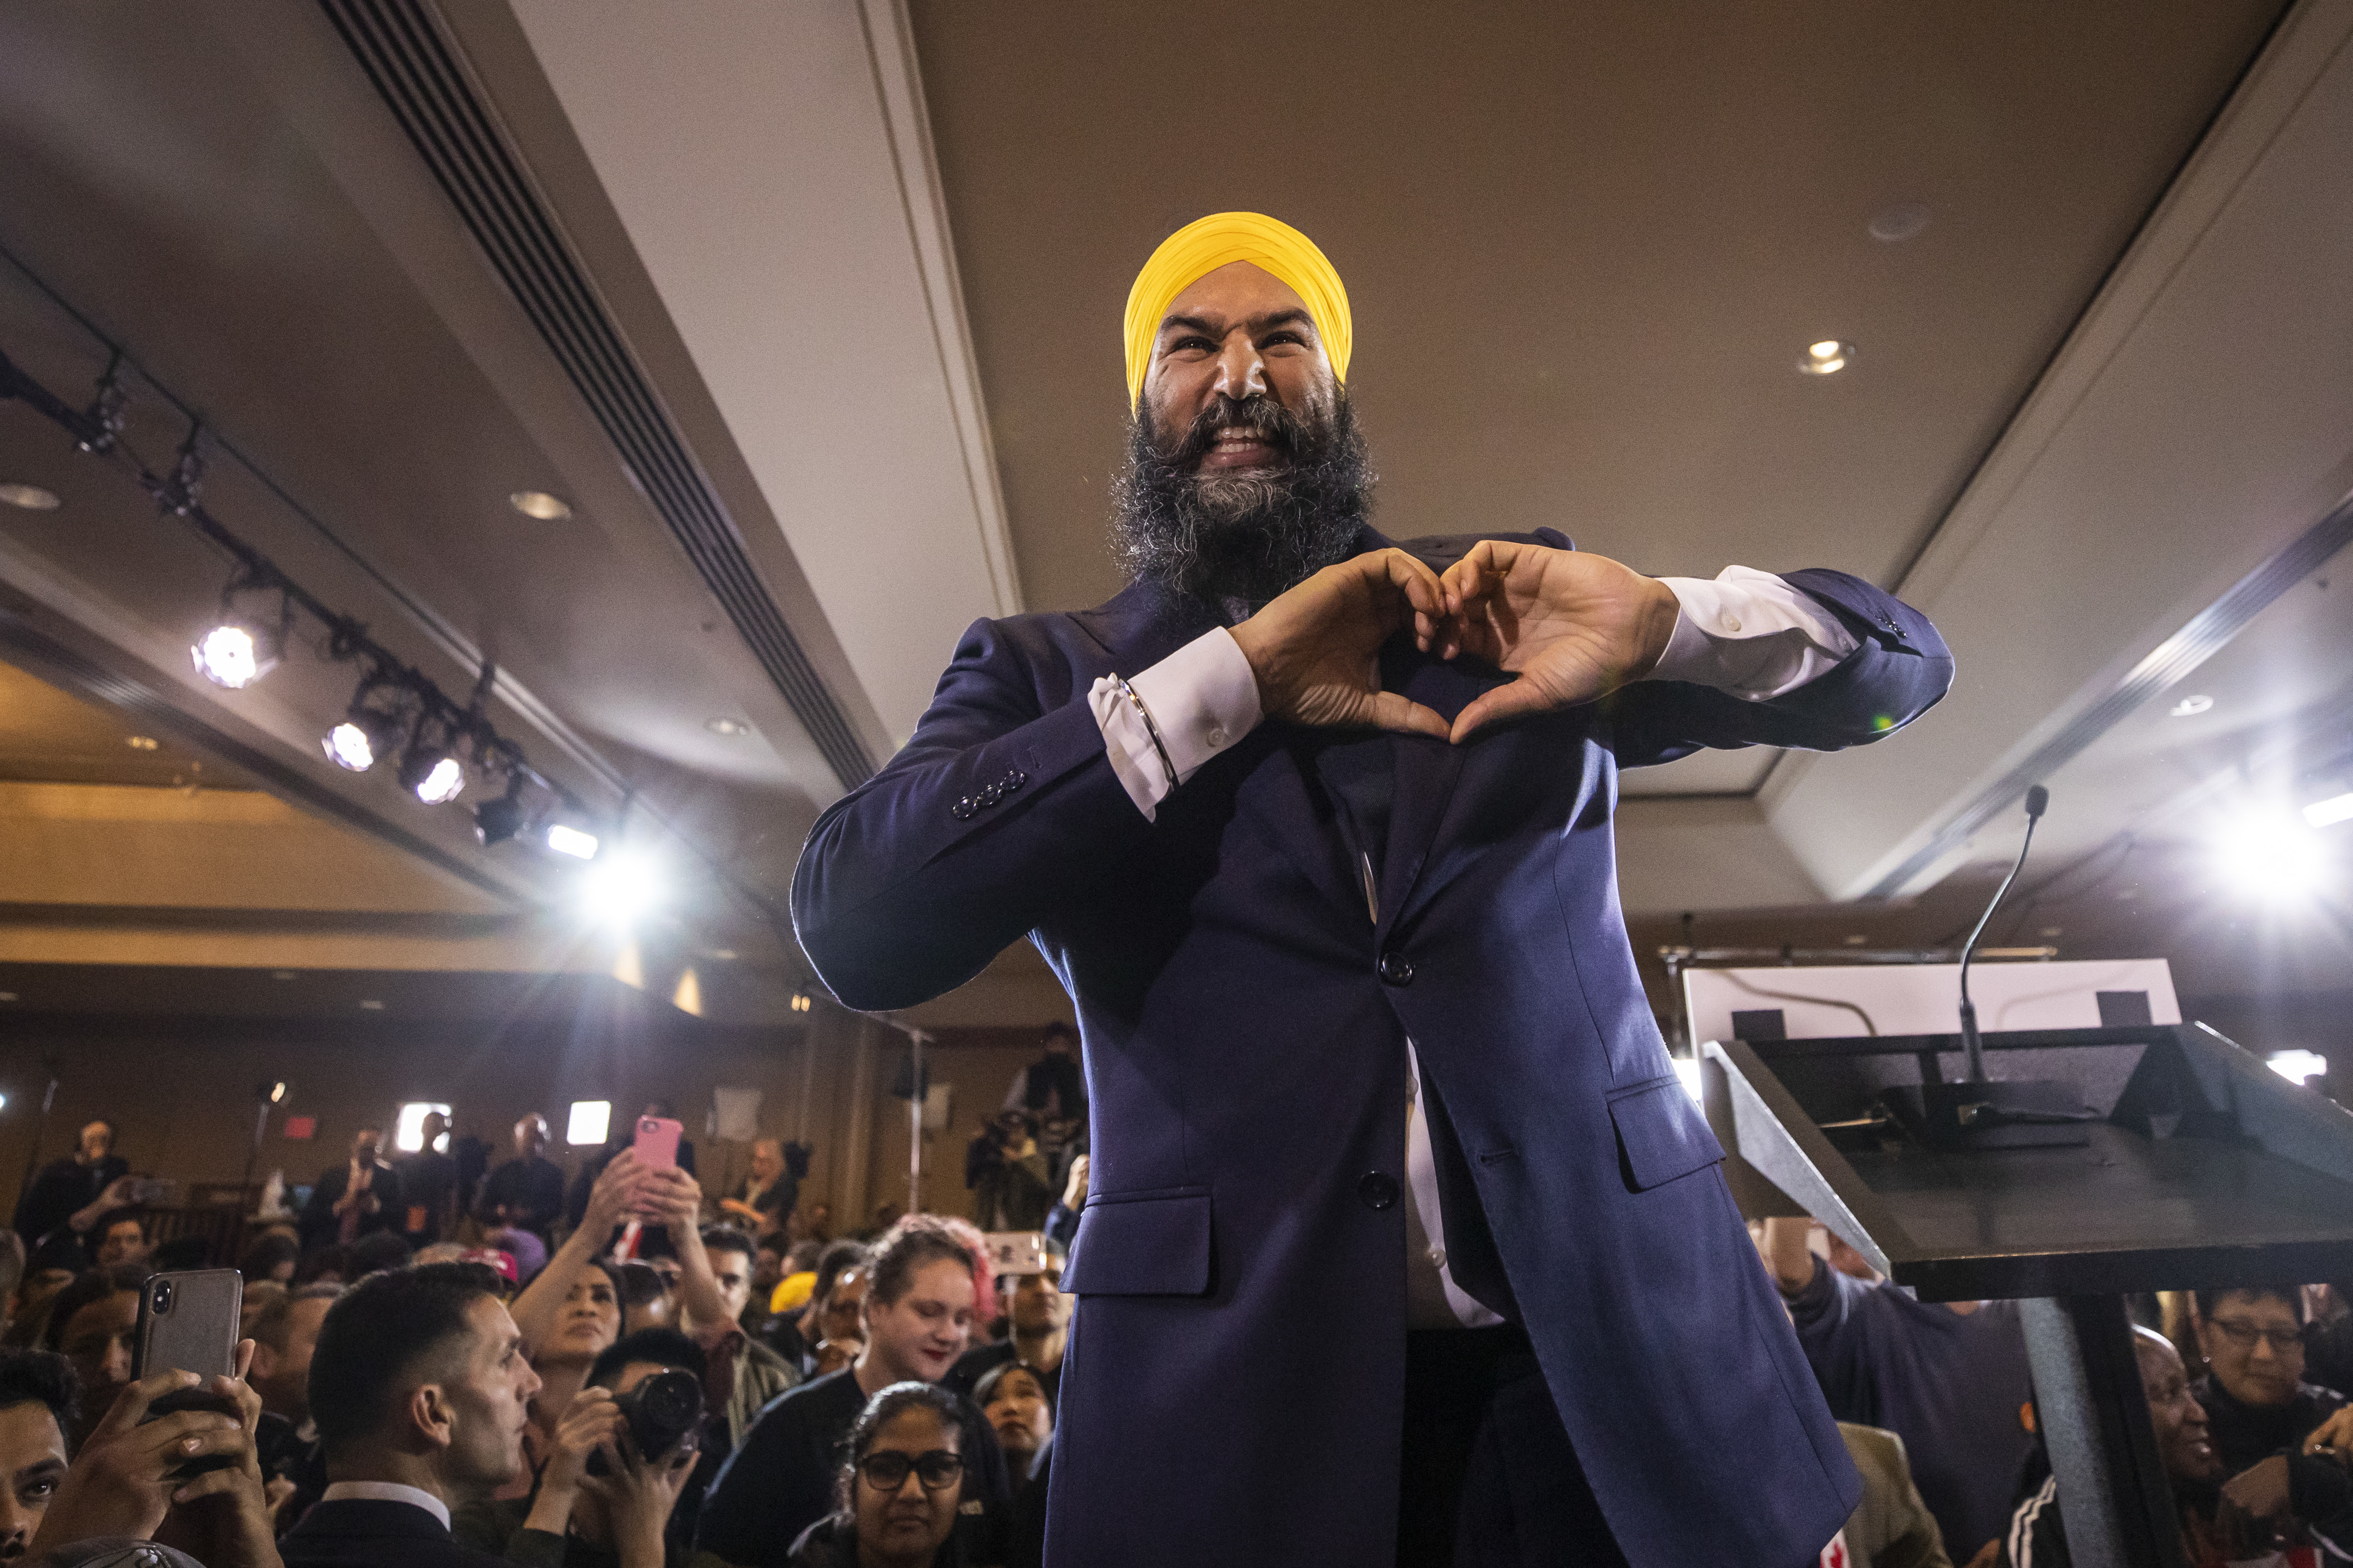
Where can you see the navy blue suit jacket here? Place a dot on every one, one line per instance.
(1233, 1387)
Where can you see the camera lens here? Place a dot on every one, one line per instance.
(163, 1295)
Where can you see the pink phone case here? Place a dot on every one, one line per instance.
(657, 1141)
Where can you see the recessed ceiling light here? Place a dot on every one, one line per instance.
(724, 954)
(2191, 707)
(1891, 226)
(1827, 357)
(139, 743)
(7, 995)
(540, 505)
(281, 974)
(727, 726)
(32, 498)
(371, 1006)
(1857, 940)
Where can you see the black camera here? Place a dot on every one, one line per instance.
(659, 1411)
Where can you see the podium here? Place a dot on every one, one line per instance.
(2201, 1169)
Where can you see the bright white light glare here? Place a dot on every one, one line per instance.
(571, 841)
(2191, 706)
(589, 1121)
(228, 658)
(2298, 1066)
(347, 746)
(442, 784)
(2268, 857)
(409, 1132)
(2327, 813)
(620, 886)
(1687, 1070)
(1827, 349)
(1827, 357)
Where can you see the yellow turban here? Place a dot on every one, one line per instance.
(1200, 247)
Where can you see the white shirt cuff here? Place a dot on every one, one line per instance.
(1751, 634)
(1203, 697)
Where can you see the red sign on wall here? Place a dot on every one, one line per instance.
(301, 1129)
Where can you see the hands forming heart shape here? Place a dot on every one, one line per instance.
(1571, 626)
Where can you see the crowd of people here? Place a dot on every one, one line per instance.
(623, 1371)
(2247, 1389)
(444, 1364)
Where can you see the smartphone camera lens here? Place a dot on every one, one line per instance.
(163, 1297)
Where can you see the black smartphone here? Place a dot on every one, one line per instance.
(188, 1323)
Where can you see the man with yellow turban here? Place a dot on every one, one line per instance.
(1403, 1241)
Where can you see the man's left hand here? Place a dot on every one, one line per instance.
(1572, 626)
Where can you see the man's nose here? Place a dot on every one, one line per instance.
(1241, 372)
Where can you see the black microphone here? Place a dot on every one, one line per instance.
(2038, 801)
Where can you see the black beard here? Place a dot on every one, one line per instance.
(1235, 539)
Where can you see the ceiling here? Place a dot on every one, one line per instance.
(861, 265)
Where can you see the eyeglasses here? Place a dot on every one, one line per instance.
(2244, 1335)
(886, 1468)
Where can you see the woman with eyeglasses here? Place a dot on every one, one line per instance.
(896, 1494)
(2255, 1391)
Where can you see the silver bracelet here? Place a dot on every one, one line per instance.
(1151, 729)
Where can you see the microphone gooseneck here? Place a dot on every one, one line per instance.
(2038, 801)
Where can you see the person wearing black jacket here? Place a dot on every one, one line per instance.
(527, 1191)
(353, 1200)
(780, 1481)
(2253, 1390)
(76, 1184)
(421, 1390)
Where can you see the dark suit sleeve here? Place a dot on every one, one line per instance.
(1898, 670)
(1002, 809)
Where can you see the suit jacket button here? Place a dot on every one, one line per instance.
(1394, 970)
(1378, 1189)
(962, 810)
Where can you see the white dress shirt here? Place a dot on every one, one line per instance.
(1743, 632)
(387, 1492)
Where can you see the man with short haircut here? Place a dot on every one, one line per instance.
(743, 1375)
(285, 1336)
(525, 1193)
(358, 1198)
(2253, 1392)
(421, 1391)
(119, 1240)
(1041, 1312)
(1316, 829)
(76, 1188)
(36, 1399)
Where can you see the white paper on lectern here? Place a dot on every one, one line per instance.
(1922, 998)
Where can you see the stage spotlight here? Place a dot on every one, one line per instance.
(234, 654)
(2267, 856)
(371, 728)
(567, 840)
(2327, 813)
(429, 765)
(621, 886)
(496, 821)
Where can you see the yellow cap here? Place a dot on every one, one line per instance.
(1200, 247)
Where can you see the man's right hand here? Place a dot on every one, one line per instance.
(1316, 649)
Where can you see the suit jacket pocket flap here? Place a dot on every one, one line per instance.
(1661, 1134)
(1141, 1243)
